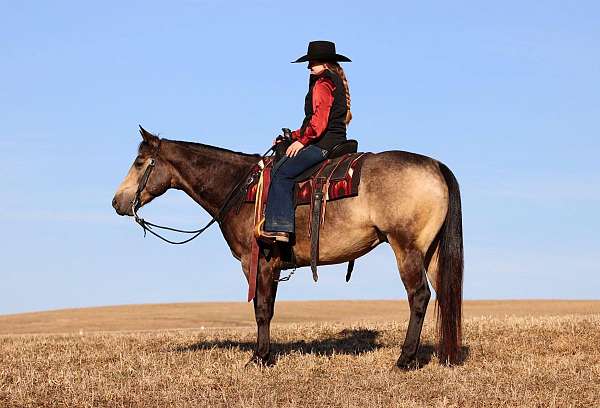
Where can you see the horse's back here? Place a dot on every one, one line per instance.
(401, 159)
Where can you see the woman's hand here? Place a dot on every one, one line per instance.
(294, 149)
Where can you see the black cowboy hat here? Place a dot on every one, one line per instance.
(322, 51)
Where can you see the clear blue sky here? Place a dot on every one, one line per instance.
(507, 94)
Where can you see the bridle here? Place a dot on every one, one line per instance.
(147, 226)
(137, 199)
(135, 204)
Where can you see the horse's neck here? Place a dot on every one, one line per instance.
(206, 173)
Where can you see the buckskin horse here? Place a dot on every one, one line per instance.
(408, 200)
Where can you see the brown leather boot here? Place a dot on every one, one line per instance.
(269, 236)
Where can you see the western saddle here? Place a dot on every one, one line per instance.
(336, 177)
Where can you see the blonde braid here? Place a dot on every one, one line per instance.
(337, 68)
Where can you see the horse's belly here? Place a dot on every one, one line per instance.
(345, 234)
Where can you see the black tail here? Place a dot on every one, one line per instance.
(450, 274)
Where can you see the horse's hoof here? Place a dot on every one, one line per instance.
(256, 360)
(406, 364)
(398, 370)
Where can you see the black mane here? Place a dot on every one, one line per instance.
(195, 146)
(202, 146)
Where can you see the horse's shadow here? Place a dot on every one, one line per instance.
(348, 341)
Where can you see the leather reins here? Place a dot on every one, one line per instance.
(246, 181)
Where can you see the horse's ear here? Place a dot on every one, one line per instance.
(148, 137)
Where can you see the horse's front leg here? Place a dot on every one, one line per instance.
(264, 304)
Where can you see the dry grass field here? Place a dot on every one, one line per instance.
(329, 354)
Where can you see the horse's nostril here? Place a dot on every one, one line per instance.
(114, 202)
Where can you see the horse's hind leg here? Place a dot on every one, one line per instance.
(264, 305)
(412, 272)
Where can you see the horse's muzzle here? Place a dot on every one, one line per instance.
(120, 207)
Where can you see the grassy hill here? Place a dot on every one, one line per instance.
(241, 314)
(329, 354)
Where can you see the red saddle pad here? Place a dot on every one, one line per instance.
(343, 182)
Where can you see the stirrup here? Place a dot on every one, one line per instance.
(259, 234)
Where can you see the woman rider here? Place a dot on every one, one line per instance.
(327, 110)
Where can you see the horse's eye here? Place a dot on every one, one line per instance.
(138, 163)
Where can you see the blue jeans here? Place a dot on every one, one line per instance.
(279, 213)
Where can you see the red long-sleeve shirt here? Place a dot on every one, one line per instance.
(322, 99)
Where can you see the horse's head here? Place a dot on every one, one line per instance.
(149, 176)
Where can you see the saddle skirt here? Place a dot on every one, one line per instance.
(342, 174)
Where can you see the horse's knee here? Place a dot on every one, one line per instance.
(262, 314)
